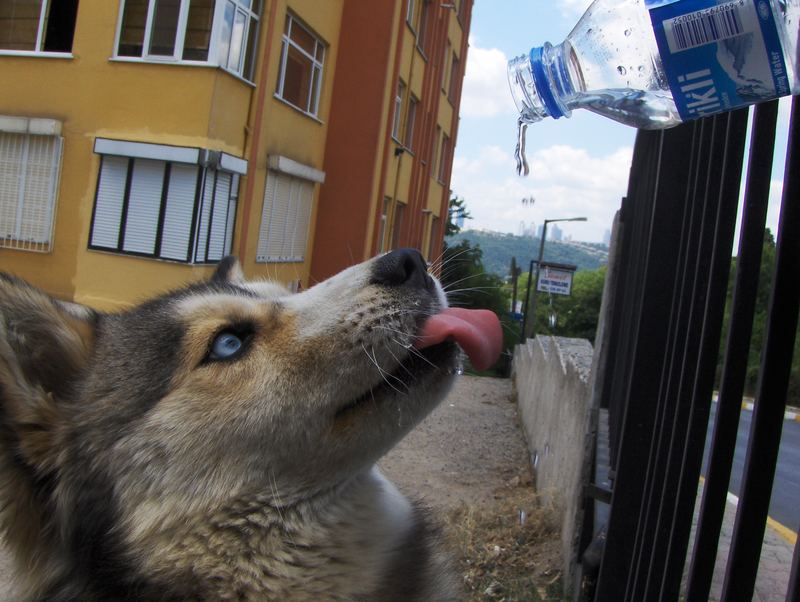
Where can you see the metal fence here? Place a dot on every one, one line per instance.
(678, 223)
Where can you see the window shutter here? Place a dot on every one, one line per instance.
(177, 230)
(306, 195)
(205, 215)
(266, 217)
(11, 151)
(41, 180)
(231, 214)
(144, 203)
(108, 208)
(285, 218)
(216, 241)
(29, 168)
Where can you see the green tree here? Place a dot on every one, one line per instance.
(456, 209)
(576, 315)
(760, 315)
(468, 285)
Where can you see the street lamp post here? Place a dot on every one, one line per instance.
(530, 302)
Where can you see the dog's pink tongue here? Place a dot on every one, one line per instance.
(476, 330)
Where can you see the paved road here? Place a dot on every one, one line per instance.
(785, 502)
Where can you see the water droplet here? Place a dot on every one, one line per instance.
(589, 31)
(627, 32)
(641, 69)
(622, 70)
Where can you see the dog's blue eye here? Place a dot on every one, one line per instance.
(225, 346)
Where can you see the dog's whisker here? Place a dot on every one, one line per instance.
(381, 371)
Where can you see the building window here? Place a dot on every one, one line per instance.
(454, 76)
(398, 110)
(434, 242)
(444, 158)
(218, 33)
(37, 25)
(387, 203)
(29, 170)
(435, 152)
(397, 224)
(408, 140)
(302, 61)
(164, 209)
(447, 51)
(410, 13)
(285, 218)
(462, 6)
(422, 32)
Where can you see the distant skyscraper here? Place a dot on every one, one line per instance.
(607, 237)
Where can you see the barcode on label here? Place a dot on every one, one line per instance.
(703, 27)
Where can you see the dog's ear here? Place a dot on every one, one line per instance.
(228, 270)
(44, 345)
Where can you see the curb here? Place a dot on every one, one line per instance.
(790, 414)
(783, 531)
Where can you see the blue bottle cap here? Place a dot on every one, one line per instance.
(542, 82)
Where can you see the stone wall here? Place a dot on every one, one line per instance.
(551, 380)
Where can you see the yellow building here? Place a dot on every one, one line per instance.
(143, 140)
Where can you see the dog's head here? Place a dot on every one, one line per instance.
(219, 389)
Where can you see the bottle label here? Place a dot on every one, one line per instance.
(718, 54)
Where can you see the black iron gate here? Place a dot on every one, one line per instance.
(678, 224)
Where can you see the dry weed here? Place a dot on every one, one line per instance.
(508, 549)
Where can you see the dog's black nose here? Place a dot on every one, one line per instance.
(403, 266)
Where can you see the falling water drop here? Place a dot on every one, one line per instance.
(627, 33)
(622, 70)
(519, 151)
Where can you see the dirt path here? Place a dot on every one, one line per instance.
(469, 463)
(470, 446)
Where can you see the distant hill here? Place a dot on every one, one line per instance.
(498, 249)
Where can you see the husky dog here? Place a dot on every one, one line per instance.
(218, 442)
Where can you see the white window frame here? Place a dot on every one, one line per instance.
(37, 51)
(239, 7)
(411, 118)
(18, 239)
(410, 10)
(398, 110)
(180, 37)
(317, 66)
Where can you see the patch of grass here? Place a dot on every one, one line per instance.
(508, 549)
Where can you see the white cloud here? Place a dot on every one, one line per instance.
(485, 92)
(565, 181)
(574, 8)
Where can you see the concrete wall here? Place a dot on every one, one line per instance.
(551, 379)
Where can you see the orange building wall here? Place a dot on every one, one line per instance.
(355, 135)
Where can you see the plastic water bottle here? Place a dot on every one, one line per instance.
(656, 63)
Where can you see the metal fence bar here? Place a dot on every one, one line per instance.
(654, 271)
(691, 423)
(686, 253)
(637, 219)
(684, 344)
(776, 359)
(737, 347)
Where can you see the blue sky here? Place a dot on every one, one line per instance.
(579, 166)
